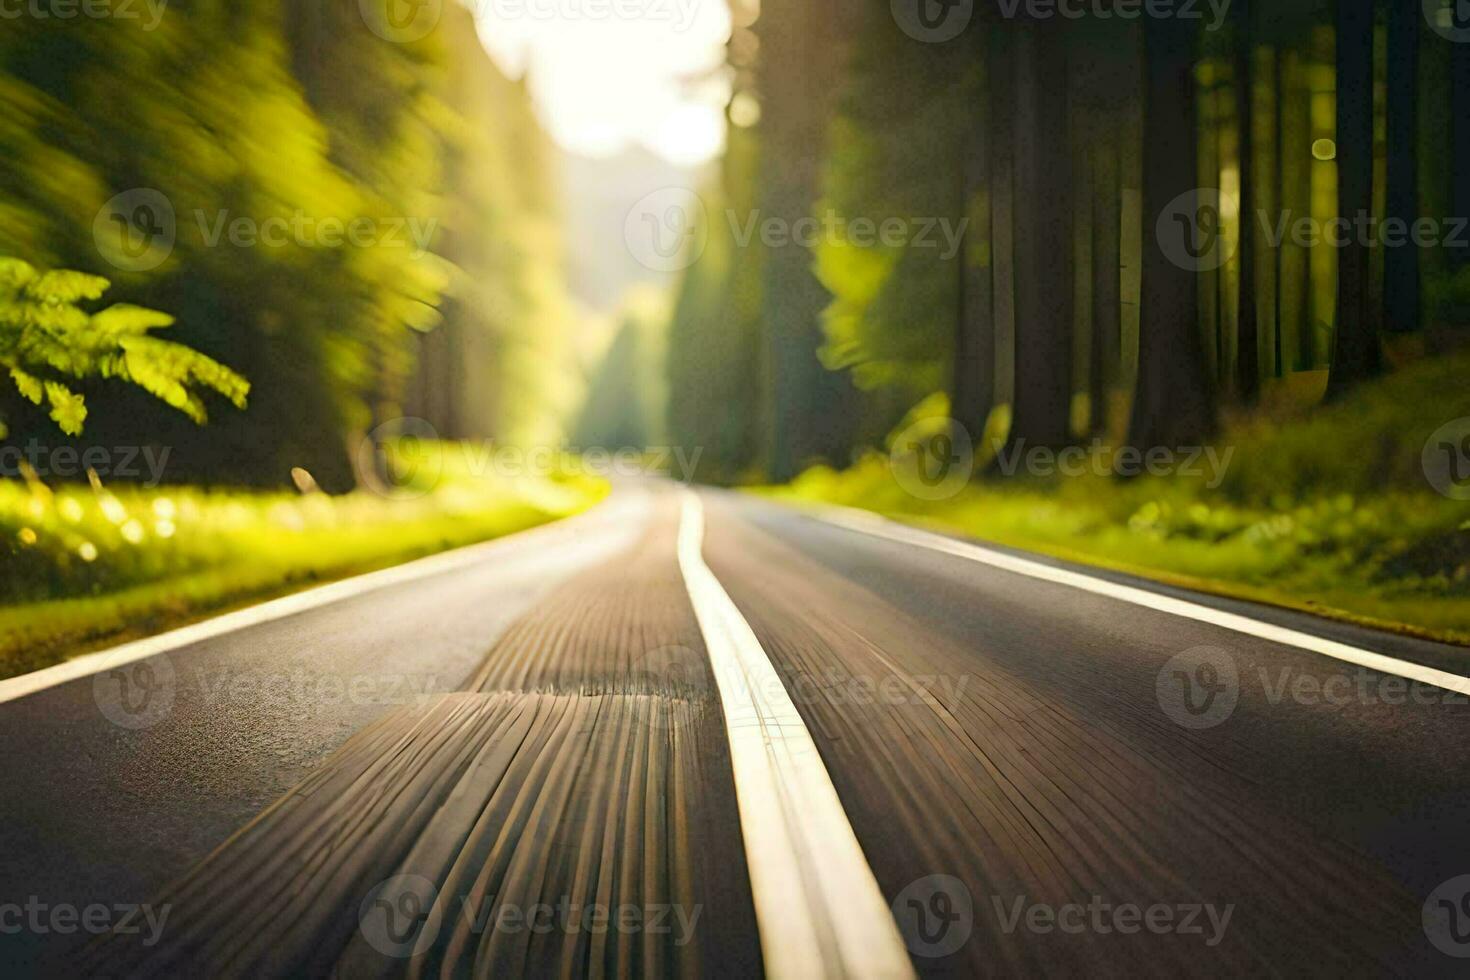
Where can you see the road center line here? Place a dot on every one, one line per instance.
(818, 907)
(880, 527)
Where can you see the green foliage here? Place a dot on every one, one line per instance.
(1327, 510)
(624, 407)
(718, 373)
(80, 564)
(895, 150)
(47, 339)
(295, 115)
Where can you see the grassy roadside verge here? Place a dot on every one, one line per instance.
(1328, 511)
(89, 566)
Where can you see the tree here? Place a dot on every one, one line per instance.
(1459, 150)
(1248, 353)
(1356, 353)
(1173, 403)
(1043, 239)
(802, 45)
(1401, 265)
(972, 386)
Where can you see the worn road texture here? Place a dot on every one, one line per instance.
(998, 744)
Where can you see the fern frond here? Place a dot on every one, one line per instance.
(46, 337)
(65, 286)
(30, 386)
(68, 409)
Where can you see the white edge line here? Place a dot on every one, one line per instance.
(111, 658)
(869, 523)
(818, 906)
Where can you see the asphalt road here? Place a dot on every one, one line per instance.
(524, 766)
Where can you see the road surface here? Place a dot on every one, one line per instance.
(708, 736)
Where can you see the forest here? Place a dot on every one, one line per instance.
(1181, 289)
(1245, 206)
(221, 124)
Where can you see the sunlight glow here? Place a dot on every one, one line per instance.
(607, 77)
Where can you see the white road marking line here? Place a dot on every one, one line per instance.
(818, 907)
(872, 524)
(265, 612)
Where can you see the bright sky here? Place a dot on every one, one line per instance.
(606, 74)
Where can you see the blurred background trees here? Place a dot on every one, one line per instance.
(296, 112)
(1055, 148)
(1068, 312)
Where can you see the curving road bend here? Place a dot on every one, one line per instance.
(709, 736)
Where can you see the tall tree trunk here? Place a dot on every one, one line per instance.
(813, 410)
(1401, 265)
(1356, 355)
(1173, 404)
(1043, 240)
(1000, 149)
(1107, 262)
(1460, 148)
(1247, 333)
(973, 384)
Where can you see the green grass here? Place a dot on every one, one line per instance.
(1325, 509)
(86, 566)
